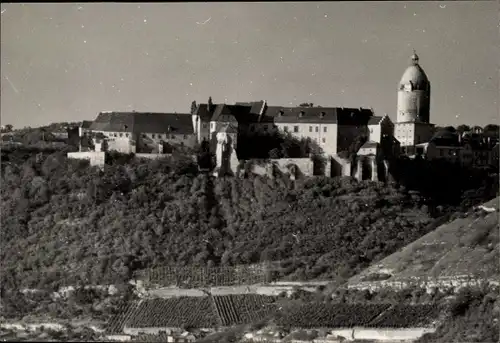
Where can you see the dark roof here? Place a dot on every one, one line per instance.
(180, 123)
(228, 113)
(255, 106)
(369, 145)
(140, 122)
(331, 115)
(375, 120)
(204, 113)
(86, 124)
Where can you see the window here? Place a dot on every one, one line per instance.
(204, 125)
(121, 134)
(143, 135)
(285, 128)
(185, 137)
(317, 128)
(295, 129)
(114, 135)
(160, 136)
(324, 128)
(153, 136)
(126, 135)
(173, 137)
(310, 129)
(324, 140)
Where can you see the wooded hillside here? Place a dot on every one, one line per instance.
(64, 222)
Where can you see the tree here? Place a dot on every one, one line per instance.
(463, 128)
(491, 130)
(7, 128)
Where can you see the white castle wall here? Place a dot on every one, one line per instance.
(385, 335)
(305, 166)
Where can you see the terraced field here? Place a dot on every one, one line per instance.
(196, 312)
(315, 315)
(403, 316)
(243, 308)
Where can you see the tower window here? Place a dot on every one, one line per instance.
(285, 128)
(324, 140)
(295, 129)
(324, 128)
(317, 129)
(310, 129)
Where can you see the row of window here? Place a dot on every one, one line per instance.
(285, 128)
(161, 136)
(118, 134)
(153, 135)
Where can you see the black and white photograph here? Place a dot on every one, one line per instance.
(240, 172)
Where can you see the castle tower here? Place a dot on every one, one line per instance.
(414, 94)
(227, 160)
(413, 107)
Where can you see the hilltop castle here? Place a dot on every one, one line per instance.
(332, 129)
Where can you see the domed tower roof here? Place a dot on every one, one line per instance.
(414, 74)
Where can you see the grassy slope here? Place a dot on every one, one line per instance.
(469, 245)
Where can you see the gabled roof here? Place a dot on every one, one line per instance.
(255, 106)
(176, 123)
(231, 113)
(143, 122)
(86, 124)
(370, 145)
(375, 120)
(204, 113)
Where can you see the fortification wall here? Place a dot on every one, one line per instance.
(152, 156)
(305, 166)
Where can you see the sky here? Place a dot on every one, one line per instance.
(69, 61)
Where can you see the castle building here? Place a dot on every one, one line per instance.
(139, 132)
(333, 129)
(412, 126)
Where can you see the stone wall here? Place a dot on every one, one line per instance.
(386, 335)
(454, 283)
(304, 166)
(152, 156)
(95, 158)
